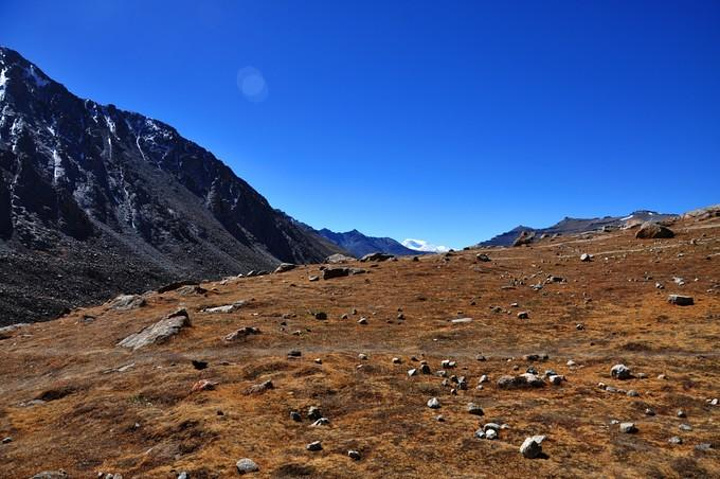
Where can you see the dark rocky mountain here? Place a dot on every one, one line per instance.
(578, 225)
(359, 244)
(95, 201)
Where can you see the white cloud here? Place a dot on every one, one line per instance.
(422, 245)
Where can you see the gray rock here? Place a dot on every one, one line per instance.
(338, 258)
(295, 416)
(475, 409)
(7, 331)
(681, 413)
(126, 302)
(242, 333)
(685, 427)
(620, 371)
(183, 475)
(585, 257)
(354, 455)
(433, 403)
(261, 388)
(628, 427)
(461, 321)
(412, 372)
(59, 474)
(246, 466)
(314, 413)
(314, 446)
(675, 440)
(492, 425)
(483, 257)
(681, 300)
(532, 447)
(376, 257)
(523, 315)
(284, 267)
(7, 440)
(225, 308)
(323, 421)
(491, 434)
(159, 332)
(523, 381)
(480, 434)
(704, 447)
(650, 230)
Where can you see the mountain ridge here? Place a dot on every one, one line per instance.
(88, 182)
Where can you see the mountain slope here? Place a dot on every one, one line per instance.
(578, 225)
(359, 244)
(127, 196)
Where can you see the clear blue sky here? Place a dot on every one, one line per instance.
(446, 121)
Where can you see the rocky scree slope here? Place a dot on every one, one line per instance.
(95, 200)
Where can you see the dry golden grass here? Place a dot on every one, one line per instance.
(146, 422)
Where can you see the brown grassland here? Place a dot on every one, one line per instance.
(144, 421)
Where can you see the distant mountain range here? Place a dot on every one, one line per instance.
(578, 225)
(424, 246)
(95, 201)
(359, 244)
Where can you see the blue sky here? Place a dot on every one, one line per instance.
(446, 121)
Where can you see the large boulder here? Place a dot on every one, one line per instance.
(338, 258)
(525, 238)
(330, 273)
(377, 257)
(125, 302)
(531, 447)
(651, 230)
(159, 332)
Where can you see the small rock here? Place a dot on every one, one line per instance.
(704, 447)
(685, 427)
(433, 403)
(680, 300)
(412, 372)
(362, 356)
(523, 315)
(681, 413)
(475, 409)
(396, 361)
(354, 455)
(314, 446)
(628, 427)
(246, 466)
(199, 365)
(295, 416)
(362, 321)
(532, 447)
(323, 421)
(491, 434)
(294, 353)
(260, 388)
(203, 385)
(620, 371)
(633, 393)
(7, 440)
(675, 440)
(314, 413)
(649, 412)
(585, 257)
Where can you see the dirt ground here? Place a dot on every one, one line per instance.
(107, 409)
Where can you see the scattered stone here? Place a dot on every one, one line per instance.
(6, 331)
(226, 308)
(571, 363)
(412, 372)
(433, 403)
(203, 385)
(159, 332)
(362, 356)
(448, 364)
(60, 474)
(295, 416)
(314, 446)
(191, 289)
(313, 278)
(491, 434)
(260, 388)
(246, 466)
(396, 360)
(649, 412)
(556, 379)
(680, 300)
(525, 238)
(314, 413)
(294, 353)
(620, 371)
(704, 447)
(579, 326)
(531, 448)
(362, 320)
(522, 381)
(475, 410)
(461, 320)
(483, 257)
(650, 230)
(284, 267)
(318, 361)
(585, 257)
(354, 455)
(633, 393)
(685, 427)
(184, 475)
(199, 365)
(681, 413)
(320, 315)
(480, 434)
(126, 302)
(523, 315)
(7, 440)
(378, 257)
(338, 258)
(425, 368)
(675, 440)
(242, 333)
(628, 428)
(323, 421)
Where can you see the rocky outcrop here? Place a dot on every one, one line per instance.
(650, 230)
(159, 332)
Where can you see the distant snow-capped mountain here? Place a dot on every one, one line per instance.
(422, 245)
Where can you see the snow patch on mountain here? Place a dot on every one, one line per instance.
(422, 245)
